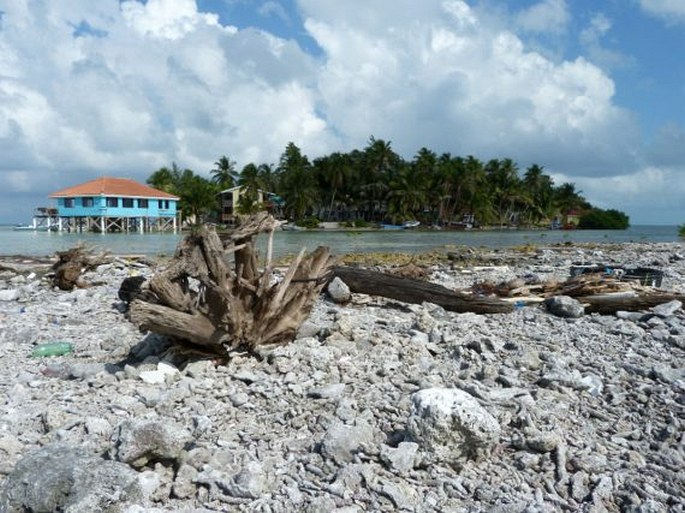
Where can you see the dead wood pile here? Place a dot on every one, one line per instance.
(204, 298)
(600, 293)
(72, 263)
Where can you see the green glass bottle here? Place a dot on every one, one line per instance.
(52, 349)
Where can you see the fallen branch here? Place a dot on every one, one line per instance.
(416, 291)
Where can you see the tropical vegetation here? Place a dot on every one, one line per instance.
(606, 219)
(376, 185)
(681, 231)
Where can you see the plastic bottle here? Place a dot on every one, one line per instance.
(52, 349)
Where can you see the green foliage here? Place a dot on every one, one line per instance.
(375, 184)
(598, 219)
(224, 173)
(357, 223)
(309, 222)
(681, 231)
(197, 195)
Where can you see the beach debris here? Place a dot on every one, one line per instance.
(411, 290)
(52, 349)
(201, 298)
(72, 263)
(597, 292)
(130, 288)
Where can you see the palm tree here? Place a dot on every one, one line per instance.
(380, 163)
(165, 179)
(540, 188)
(475, 192)
(297, 184)
(567, 198)
(425, 166)
(407, 194)
(199, 197)
(250, 183)
(505, 190)
(224, 173)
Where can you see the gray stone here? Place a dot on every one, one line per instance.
(667, 309)
(632, 316)
(139, 442)
(668, 374)
(308, 329)
(9, 295)
(542, 442)
(338, 291)
(451, 424)
(342, 441)
(63, 478)
(401, 459)
(333, 391)
(565, 306)
(249, 483)
(183, 487)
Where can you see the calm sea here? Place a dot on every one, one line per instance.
(409, 241)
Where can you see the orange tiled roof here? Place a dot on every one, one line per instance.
(108, 186)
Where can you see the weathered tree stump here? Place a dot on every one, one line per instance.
(72, 263)
(202, 298)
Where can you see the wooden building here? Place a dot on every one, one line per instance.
(109, 204)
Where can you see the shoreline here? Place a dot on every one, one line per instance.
(573, 414)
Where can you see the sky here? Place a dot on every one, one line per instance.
(592, 90)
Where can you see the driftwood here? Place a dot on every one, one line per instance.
(604, 295)
(631, 301)
(202, 298)
(72, 263)
(416, 291)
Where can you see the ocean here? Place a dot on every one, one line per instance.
(31, 243)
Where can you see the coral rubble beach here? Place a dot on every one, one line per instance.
(377, 405)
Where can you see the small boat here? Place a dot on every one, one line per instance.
(24, 228)
(404, 226)
(292, 227)
(32, 228)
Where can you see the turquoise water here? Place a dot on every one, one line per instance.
(410, 241)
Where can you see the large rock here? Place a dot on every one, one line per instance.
(667, 309)
(339, 291)
(342, 441)
(565, 306)
(9, 295)
(139, 442)
(451, 425)
(64, 478)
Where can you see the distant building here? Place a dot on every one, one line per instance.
(572, 219)
(115, 205)
(229, 200)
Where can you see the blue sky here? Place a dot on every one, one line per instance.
(593, 90)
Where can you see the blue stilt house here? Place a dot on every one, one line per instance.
(109, 204)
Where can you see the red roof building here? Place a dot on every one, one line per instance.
(108, 186)
(109, 204)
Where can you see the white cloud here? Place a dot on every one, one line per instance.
(169, 19)
(668, 146)
(272, 8)
(591, 38)
(651, 195)
(448, 81)
(672, 11)
(546, 16)
(160, 81)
